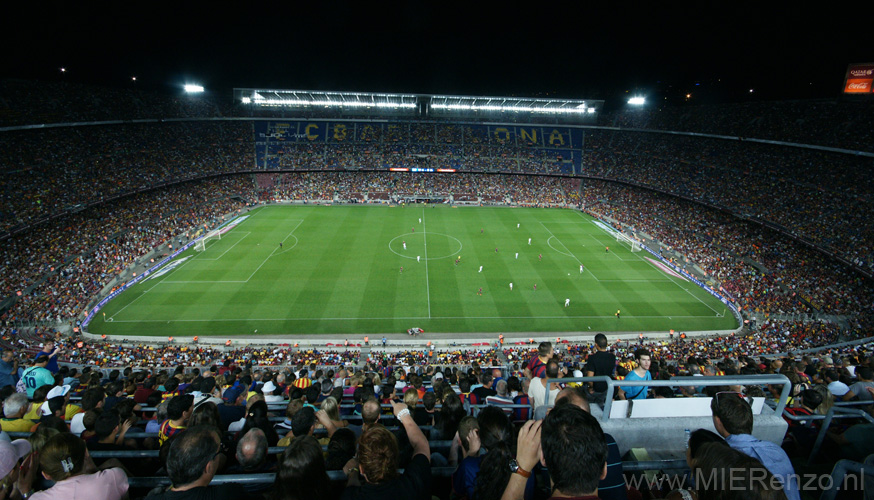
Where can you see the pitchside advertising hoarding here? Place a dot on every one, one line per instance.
(859, 79)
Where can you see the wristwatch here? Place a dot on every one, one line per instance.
(515, 469)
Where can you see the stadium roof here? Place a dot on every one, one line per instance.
(573, 110)
(310, 98)
(515, 105)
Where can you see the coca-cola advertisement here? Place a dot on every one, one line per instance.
(859, 79)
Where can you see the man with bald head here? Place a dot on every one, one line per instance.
(497, 376)
(252, 453)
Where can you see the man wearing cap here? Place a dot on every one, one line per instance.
(268, 389)
(37, 375)
(55, 407)
(234, 406)
(13, 477)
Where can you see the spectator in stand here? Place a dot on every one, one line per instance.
(640, 372)
(302, 472)
(502, 397)
(859, 390)
(252, 454)
(37, 375)
(536, 367)
(268, 389)
(193, 460)
(719, 470)
(571, 444)
(481, 393)
(18, 468)
(612, 486)
(179, 410)
(14, 408)
(425, 414)
(142, 393)
(208, 392)
(485, 476)
(341, 449)
(835, 386)
(600, 364)
(257, 418)
(48, 349)
(234, 406)
(539, 394)
(378, 459)
(65, 460)
(446, 424)
(733, 420)
(110, 432)
(8, 369)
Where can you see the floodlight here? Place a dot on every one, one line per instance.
(637, 101)
(192, 89)
(63, 70)
(247, 100)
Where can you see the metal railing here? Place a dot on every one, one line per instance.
(682, 382)
(337, 475)
(840, 410)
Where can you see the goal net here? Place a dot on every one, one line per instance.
(201, 243)
(630, 242)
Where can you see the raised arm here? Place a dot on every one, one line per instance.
(417, 439)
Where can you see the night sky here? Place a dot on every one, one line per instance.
(717, 51)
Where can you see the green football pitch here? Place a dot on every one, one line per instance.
(338, 270)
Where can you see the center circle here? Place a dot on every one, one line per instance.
(396, 244)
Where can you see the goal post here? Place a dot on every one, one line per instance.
(201, 243)
(630, 242)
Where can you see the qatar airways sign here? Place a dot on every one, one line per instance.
(859, 79)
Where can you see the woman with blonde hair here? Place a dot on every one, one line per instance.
(828, 399)
(332, 408)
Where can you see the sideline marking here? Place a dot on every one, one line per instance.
(390, 318)
(427, 284)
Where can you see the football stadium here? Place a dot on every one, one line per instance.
(277, 293)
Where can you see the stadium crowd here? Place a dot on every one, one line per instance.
(344, 431)
(762, 270)
(57, 268)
